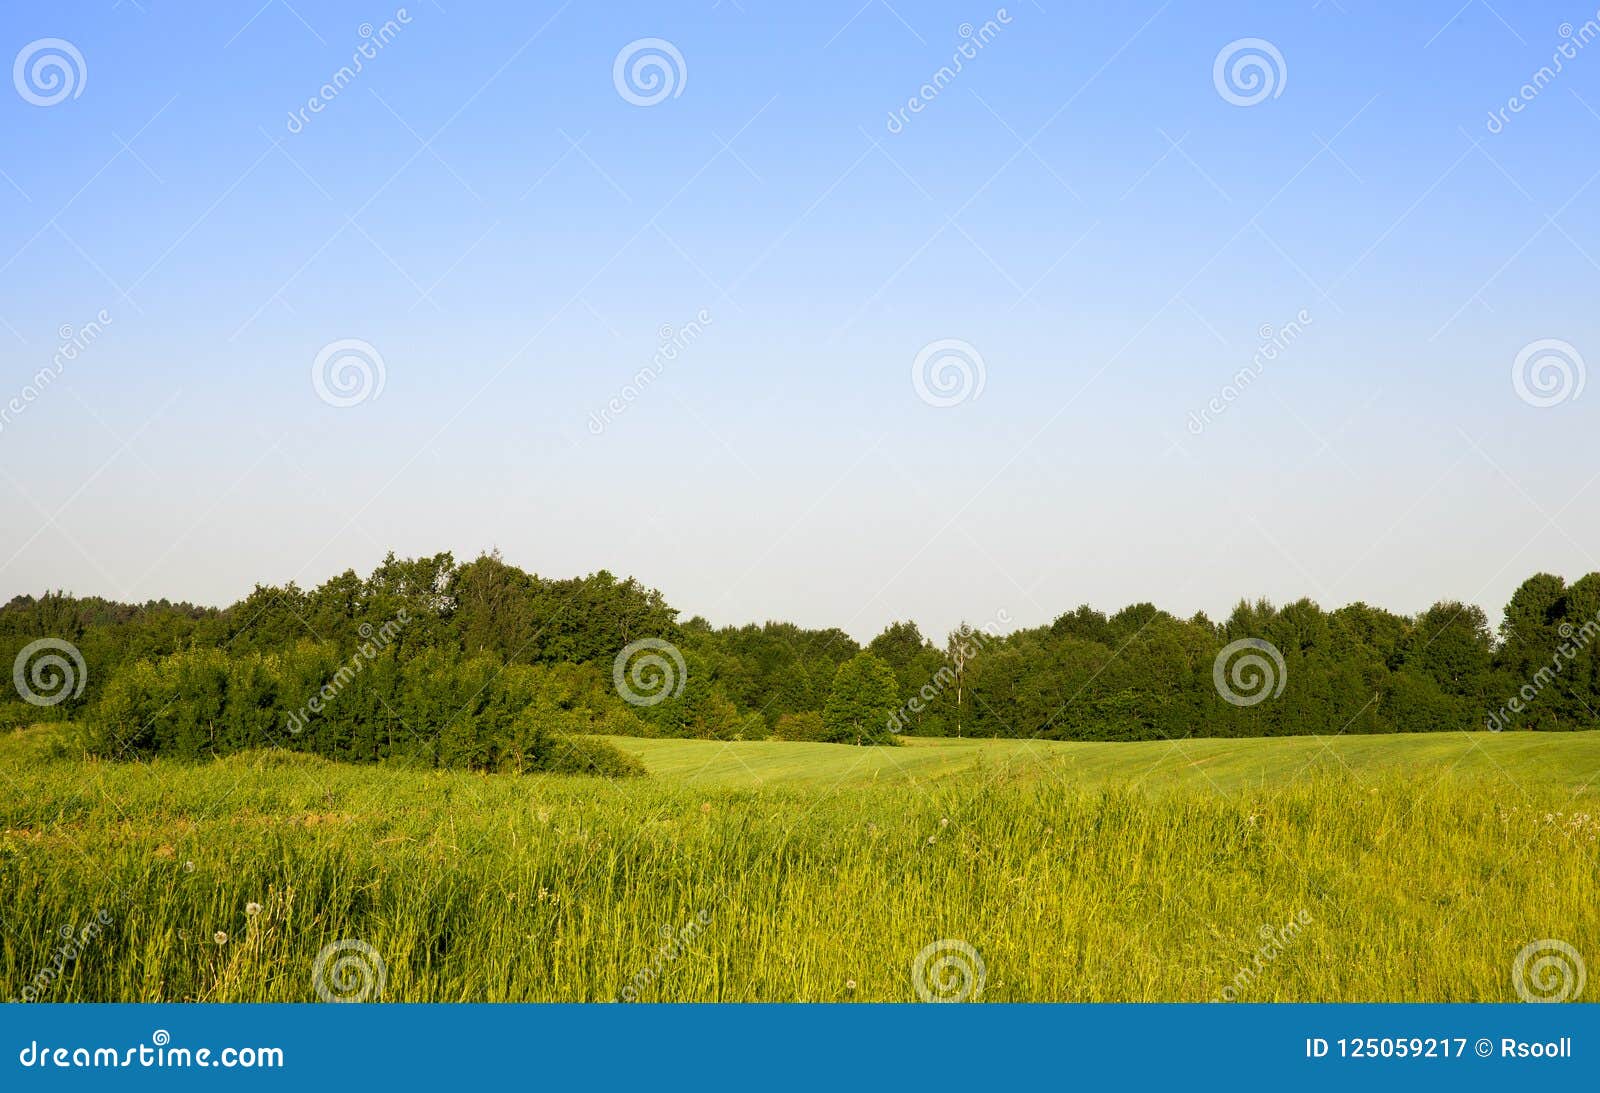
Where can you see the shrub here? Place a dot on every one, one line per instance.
(436, 709)
(753, 727)
(588, 755)
(805, 726)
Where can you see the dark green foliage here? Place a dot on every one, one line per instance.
(483, 665)
(863, 702)
(806, 726)
(586, 755)
(435, 709)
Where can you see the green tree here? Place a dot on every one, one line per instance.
(862, 702)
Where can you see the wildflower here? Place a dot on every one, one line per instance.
(849, 984)
(930, 840)
(544, 894)
(944, 821)
(252, 908)
(220, 938)
(705, 807)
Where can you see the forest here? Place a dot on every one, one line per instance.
(483, 665)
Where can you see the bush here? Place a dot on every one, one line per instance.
(805, 726)
(752, 727)
(436, 709)
(18, 715)
(588, 755)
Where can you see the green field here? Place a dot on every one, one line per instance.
(1352, 869)
(1568, 760)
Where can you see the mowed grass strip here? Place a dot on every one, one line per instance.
(1418, 865)
(1553, 760)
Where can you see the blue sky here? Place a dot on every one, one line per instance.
(1080, 205)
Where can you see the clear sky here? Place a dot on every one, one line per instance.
(512, 225)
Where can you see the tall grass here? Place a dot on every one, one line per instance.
(494, 888)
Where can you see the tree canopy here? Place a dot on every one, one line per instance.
(480, 664)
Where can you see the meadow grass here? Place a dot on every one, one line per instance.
(1406, 868)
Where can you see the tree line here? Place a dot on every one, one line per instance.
(481, 664)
